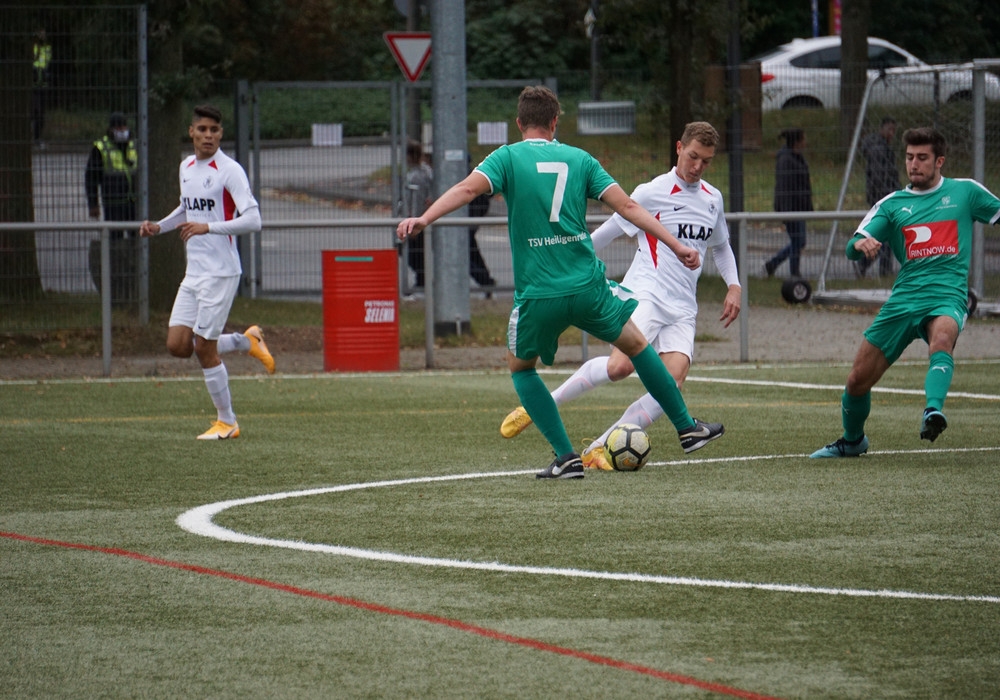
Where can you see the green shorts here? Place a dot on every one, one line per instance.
(535, 325)
(899, 323)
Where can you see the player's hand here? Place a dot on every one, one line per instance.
(147, 229)
(688, 256)
(868, 246)
(190, 229)
(409, 227)
(731, 305)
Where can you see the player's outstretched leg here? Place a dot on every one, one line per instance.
(258, 348)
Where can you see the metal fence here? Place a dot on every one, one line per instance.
(319, 152)
(65, 71)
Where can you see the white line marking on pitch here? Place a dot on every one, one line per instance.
(199, 521)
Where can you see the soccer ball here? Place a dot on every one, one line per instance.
(628, 447)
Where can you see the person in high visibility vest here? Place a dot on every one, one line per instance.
(41, 62)
(111, 171)
(110, 180)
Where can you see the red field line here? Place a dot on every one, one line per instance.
(408, 614)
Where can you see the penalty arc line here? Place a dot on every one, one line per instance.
(451, 623)
(200, 521)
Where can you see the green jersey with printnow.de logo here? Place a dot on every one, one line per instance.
(546, 185)
(930, 233)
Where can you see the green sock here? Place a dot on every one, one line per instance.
(538, 402)
(663, 388)
(942, 366)
(854, 412)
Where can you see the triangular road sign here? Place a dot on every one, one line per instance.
(411, 50)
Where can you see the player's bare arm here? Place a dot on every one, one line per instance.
(190, 229)
(631, 210)
(456, 197)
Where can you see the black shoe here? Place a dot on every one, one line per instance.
(769, 269)
(568, 466)
(700, 435)
(933, 424)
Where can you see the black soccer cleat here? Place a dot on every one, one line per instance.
(568, 466)
(933, 424)
(700, 435)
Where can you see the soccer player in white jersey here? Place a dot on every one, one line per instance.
(928, 225)
(692, 210)
(216, 206)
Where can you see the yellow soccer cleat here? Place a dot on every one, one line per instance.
(258, 349)
(596, 458)
(515, 422)
(221, 431)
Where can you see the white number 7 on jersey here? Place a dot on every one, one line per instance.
(561, 171)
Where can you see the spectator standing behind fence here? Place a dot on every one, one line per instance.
(417, 196)
(881, 178)
(792, 192)
(41, 64)
(217, 205)
(477, 264)
(109, 179)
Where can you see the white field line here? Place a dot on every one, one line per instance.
(199, 521)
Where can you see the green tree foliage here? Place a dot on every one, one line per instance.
(294, 39)
(514, 39)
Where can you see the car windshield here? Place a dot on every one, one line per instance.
(767, 55)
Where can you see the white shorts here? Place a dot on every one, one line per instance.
(666, 332)
(202, 304)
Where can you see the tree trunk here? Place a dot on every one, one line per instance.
(854, 21)
(166, 124)
(19, 276)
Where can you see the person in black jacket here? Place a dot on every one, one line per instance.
(881, 178)
(109, 179)
(792, 192)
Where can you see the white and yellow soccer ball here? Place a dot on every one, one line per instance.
(627, 447)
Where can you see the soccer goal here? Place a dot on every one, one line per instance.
(969, 118)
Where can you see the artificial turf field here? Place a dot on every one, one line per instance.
(374, 536)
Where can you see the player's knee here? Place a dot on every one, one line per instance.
(619, 367)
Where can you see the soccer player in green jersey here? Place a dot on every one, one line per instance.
(928, 226)
(558, 280)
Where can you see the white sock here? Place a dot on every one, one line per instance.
(232, 342)
(592, 373)
(217, 381)
(642, 412)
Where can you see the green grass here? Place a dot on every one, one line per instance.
(113, 464)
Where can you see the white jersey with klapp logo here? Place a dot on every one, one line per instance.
(213, 190)
(693, 213)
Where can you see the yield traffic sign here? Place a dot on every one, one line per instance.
(411, 50)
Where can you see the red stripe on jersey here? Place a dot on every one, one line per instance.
(228, 206)
(651, 241)
(213, 165)
(705, 189)
(677, 188)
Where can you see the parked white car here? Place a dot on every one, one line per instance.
(806, 73)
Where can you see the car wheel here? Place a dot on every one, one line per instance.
(796, 290)
(802, 102)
